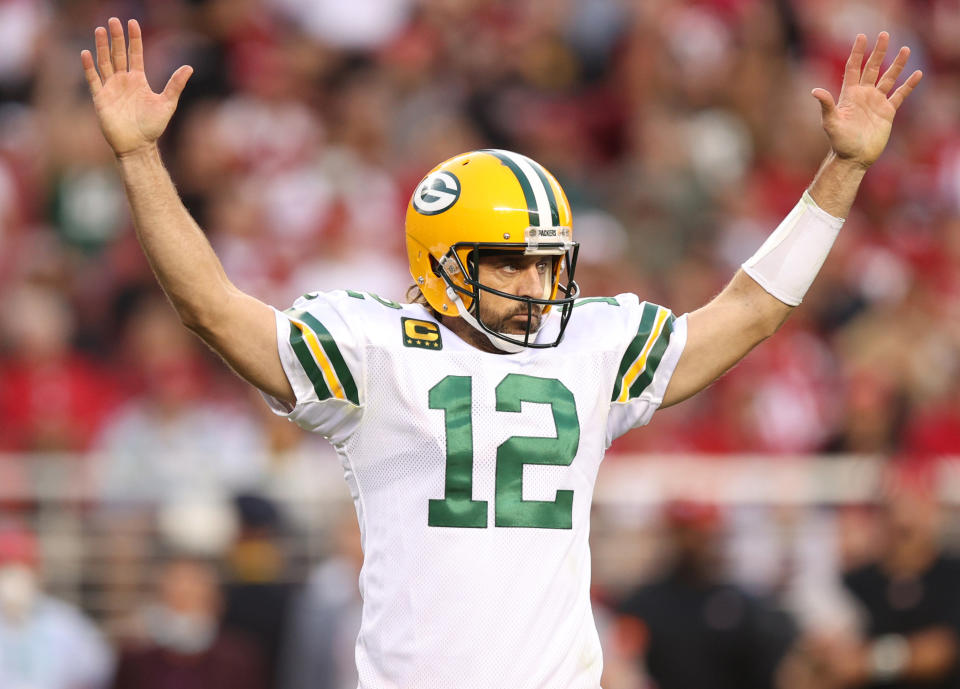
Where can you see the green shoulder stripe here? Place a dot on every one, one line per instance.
(647, 319)
(653, 359)
(313, 372)
(389, 303)
(336, 359)
(593, 300)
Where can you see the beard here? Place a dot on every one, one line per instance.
(515, 321)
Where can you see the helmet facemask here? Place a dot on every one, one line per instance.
(460, 268)
(492, 201)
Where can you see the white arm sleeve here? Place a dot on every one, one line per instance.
(790, 259)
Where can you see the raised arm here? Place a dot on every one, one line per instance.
(132, 117)
(763, 293)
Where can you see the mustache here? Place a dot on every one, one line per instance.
(535, 313)
(536, 310)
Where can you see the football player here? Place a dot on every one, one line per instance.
(471, 422)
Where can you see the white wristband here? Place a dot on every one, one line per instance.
(790, 259)
(889, 656)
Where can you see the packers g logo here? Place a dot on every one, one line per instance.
(436, 193)
(417, 333)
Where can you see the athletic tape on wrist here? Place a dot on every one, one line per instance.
(790, 259)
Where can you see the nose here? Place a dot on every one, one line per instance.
(530, 282)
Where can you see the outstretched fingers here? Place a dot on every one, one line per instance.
(103, 53)
(851, 74)
(827, 106)
(136, 45)
(889, 77)
(178, 80)
(872, 70)
(118, 47)
(90, 72)
(905, 88)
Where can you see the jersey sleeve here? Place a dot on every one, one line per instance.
(321, 349)
(653, 340)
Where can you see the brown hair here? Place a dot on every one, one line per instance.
(415, 296)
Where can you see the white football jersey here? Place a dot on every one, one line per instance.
(472, 475)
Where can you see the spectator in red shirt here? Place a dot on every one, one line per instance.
(52, 398)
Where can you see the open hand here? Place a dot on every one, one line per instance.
(131, 115)
(858, 125)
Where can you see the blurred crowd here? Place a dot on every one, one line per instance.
(687, 594)
(682, 131)
(860, 597)
(211, 599)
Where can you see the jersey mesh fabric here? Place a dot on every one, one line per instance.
(446, 606)
(483, 606)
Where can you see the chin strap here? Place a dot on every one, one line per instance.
(496, 339)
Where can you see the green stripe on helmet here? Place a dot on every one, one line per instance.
(528, 194)
(551, 197)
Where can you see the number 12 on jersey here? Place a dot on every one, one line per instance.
(454, 395)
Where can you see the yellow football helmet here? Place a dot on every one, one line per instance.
(489, 200)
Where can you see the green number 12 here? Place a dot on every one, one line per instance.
(454, 396)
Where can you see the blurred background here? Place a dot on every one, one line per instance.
(790, 527)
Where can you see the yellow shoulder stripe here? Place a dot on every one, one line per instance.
(333, 383)
(636, 368)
